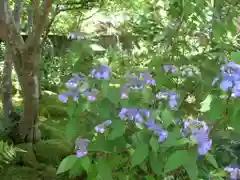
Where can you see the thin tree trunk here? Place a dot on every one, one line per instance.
(28, 127)
(7, 88)
(7, 71)
(28, 54)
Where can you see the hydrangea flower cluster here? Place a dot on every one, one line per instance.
(136, 115)
(229, 78)
(234, 171)
(101, 127)
(136, 83)
(172, 98)
(199, 131)
(142, 116)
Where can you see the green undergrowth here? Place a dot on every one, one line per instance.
(39, 161)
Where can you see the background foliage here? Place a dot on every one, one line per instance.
(132, 37)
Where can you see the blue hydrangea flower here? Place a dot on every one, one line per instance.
(172, 98)
(81, 146)
(199, 131)
(91, 94)
(102, 72)
(234, 171)
(158, 130)
(63, 97)
(170, 68)
(73, 83)
(101, 127)
(134, 114)
(148, 78)
(229, 79)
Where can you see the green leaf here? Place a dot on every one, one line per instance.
(192, 170)
(97, 47)
(235, 123)
(167, 117)
(173, 138)
(105, 88)
(82, 106)
(156, 163)
(71, 107)
(66, 164)
(113, 94)
(218, 30)
(154, 143)
(117, 130)
(141, 137)
(150, 178)
(205, 104)
(140, 154)
(104, 171)
(235, 56)
(210, 158)
(71, 130)
(176, 159)
(85, 162)
(217, 107)
(100, 145)
(76, 169)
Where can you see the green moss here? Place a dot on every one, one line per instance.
(49, 173)
(50, 106)
(27, 173)
(49, 132)
(21, 173)
(52, 151)
(27, 158)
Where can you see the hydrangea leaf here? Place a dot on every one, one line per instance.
(140, 154)
(66, 164)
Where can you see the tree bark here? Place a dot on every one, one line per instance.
(7, 71)
(28, 127)
(7, 88)
(28, 54)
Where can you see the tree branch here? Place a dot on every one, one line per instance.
(40, 26)
(10, 32)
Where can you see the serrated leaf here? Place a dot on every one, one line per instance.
(210, 158)
(66, 164)
(140, 154)
(117, 130)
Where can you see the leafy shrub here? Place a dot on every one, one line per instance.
(160, 138)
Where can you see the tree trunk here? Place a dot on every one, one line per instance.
(7, 87)
(28, 129)
(26, 58)
(7, 71)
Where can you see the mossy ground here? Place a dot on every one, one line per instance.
(41, 160)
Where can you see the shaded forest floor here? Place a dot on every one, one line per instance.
(40, 161)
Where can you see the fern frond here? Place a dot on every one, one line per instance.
(8, 152)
